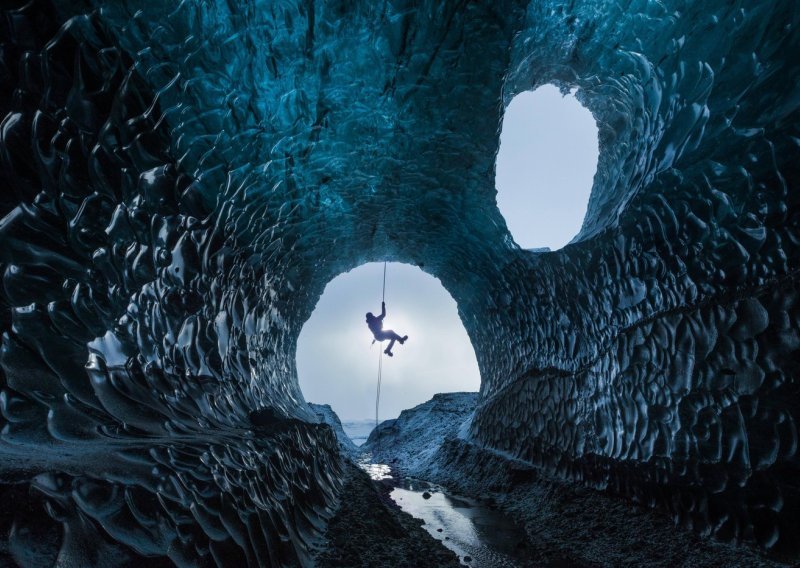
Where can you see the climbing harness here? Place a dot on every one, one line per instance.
(380, 356)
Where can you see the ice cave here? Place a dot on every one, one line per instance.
(181, 180)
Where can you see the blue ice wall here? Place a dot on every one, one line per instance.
(662, 361)
(182, 180)
(147, 402)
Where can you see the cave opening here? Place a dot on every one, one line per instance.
(180, 184)
(545, 167)
(337, 363)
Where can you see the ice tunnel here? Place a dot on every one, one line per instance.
(181, 180)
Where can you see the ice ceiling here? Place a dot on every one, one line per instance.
(181, 180)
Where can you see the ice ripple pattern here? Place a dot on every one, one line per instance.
(181, 180)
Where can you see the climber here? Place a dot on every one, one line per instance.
(375, 325)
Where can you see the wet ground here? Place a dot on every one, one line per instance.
(370, 531)
(565, 524)
(479, 535)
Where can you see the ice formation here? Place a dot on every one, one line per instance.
(181, 180)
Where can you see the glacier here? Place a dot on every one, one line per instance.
(181, 180)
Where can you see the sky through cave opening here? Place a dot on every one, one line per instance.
(338, 365)
(545, 167)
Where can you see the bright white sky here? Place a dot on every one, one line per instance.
(545, 167)
(547, 160)
(337, 364)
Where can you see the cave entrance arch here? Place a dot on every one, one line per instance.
(545, 167)
(337, 365)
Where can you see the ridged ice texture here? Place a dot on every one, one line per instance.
(181, 180)
(136, 421)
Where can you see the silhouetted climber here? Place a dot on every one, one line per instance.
(376, 327)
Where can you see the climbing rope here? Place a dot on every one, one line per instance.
(383, 294)
(378, 395)
(380, 357)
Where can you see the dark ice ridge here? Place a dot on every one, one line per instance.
(326, 415)
(180, 182)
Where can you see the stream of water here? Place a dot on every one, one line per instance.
(479, 535)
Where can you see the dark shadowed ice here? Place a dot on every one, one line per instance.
(180, 180)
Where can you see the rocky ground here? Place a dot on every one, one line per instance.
(566, 524)
(370, 531)
(569, 525)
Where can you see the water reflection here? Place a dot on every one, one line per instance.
(376, 471)
(480, 536)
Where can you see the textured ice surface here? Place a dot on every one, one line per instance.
(181, 180)
(326, 415)
(416, 435)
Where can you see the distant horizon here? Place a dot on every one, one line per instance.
(372, 418)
